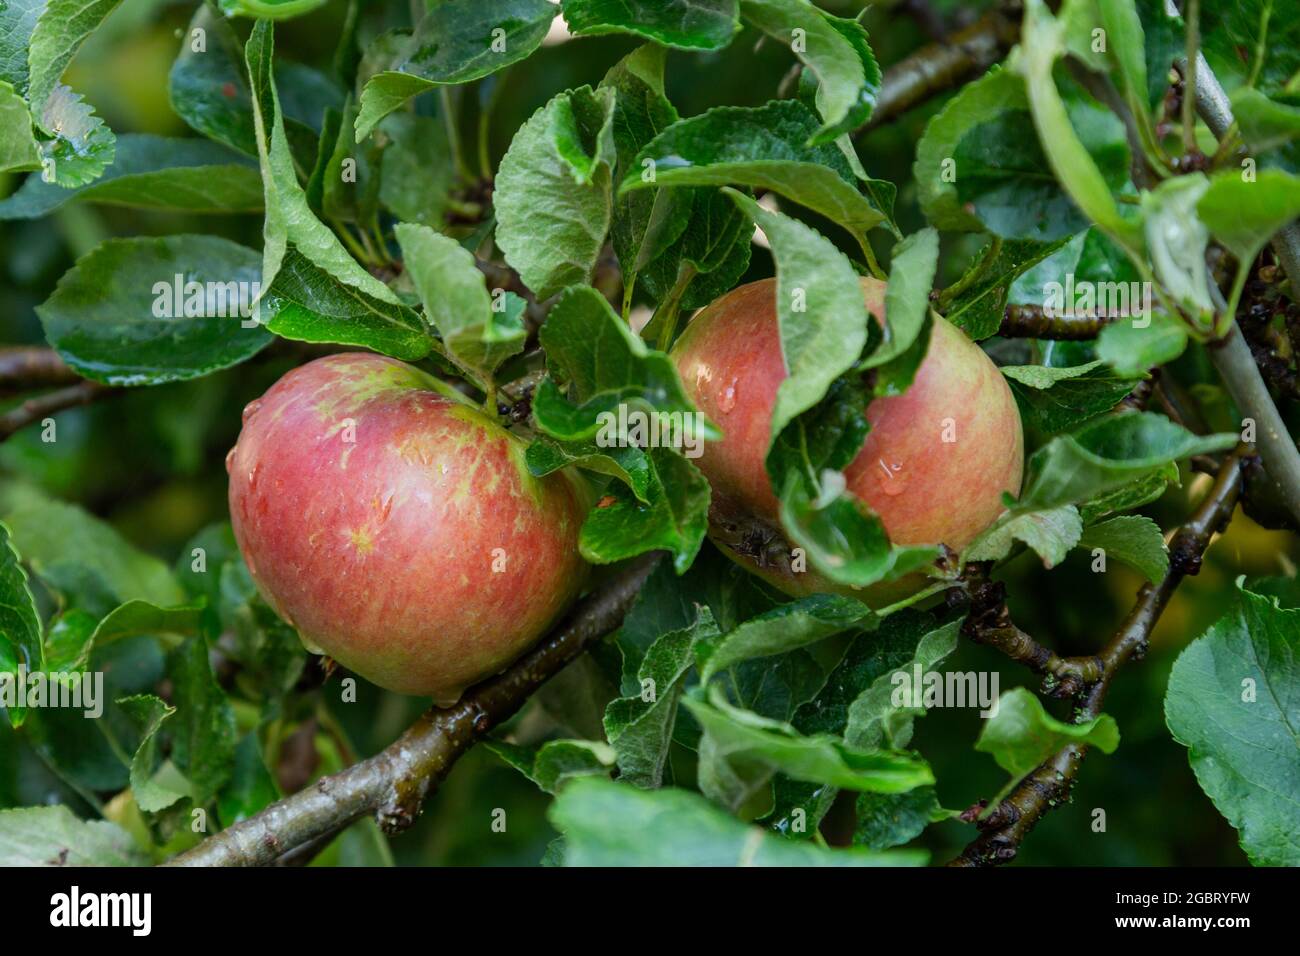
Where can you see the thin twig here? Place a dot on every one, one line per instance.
(941, 66)
(1049, 785)
(1034, 322)
(42, 406)
(32, 367)
(394, 783)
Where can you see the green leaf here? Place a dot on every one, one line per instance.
(907, 297)
(715, 243)
(1108, 453)
(1256, 39)
(310, 304)
(979, 308)
(784, 628)
(209, 89)
(20, 627)
(268, 9)
(1232, 703)
(68, 547)
(552, 195)
(835, 50)
(646, 222)
(454, 42)
(18, 148)
(629, 464)
(1265, 123)
(674, 519)
(61, 28)
(1134, 494)
(870, 656)
(640, 726)
(979, 101)
(687, 24)
(82, 147)
(68, 641)
(1041, 44)
(1133, 539)
(155, 786)
(152, 172)
(53, 836)
(1244, 215)
(1051, 533)
(891, 819)
(611, 824)
(17, 20)
(740, 744)
(417, 170)
(819, 307)
(1126, 46)
(844, 539)
(203, 731)
(663, 501)
(873, 720)
(250, 788)
(559, 761)
(605, 365)
(456, 301)
(1176, 241)
(127, 314)
(289, 219)
(1053, 399)
(1131, 349)
(1021, 735)
(343, 194)
(132, 618)
(1000, 175)
(762, 147)
(1089, 256)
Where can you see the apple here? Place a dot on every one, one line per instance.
(397, 528)
(934, 466)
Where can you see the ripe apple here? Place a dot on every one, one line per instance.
(933, 467)
(398, 528)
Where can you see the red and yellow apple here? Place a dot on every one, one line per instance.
(397, 528)
(934, 466)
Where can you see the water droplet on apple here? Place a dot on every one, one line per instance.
(251, 408)
(727, 398)
(230, 459)
(890, 477)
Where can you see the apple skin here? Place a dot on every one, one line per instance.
(381, 550)
(925, 490)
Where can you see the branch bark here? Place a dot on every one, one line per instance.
(1232, 358)
(943, 65)
(41, 406)
(28, 368)
(1048, 786)
(393, 784)
(1034, 322)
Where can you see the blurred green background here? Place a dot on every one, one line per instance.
(151, 462)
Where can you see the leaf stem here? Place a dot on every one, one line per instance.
(870, 256)
(449, 118)
(971, 276)
(670, 307)
(350, 241)
(629, 286)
